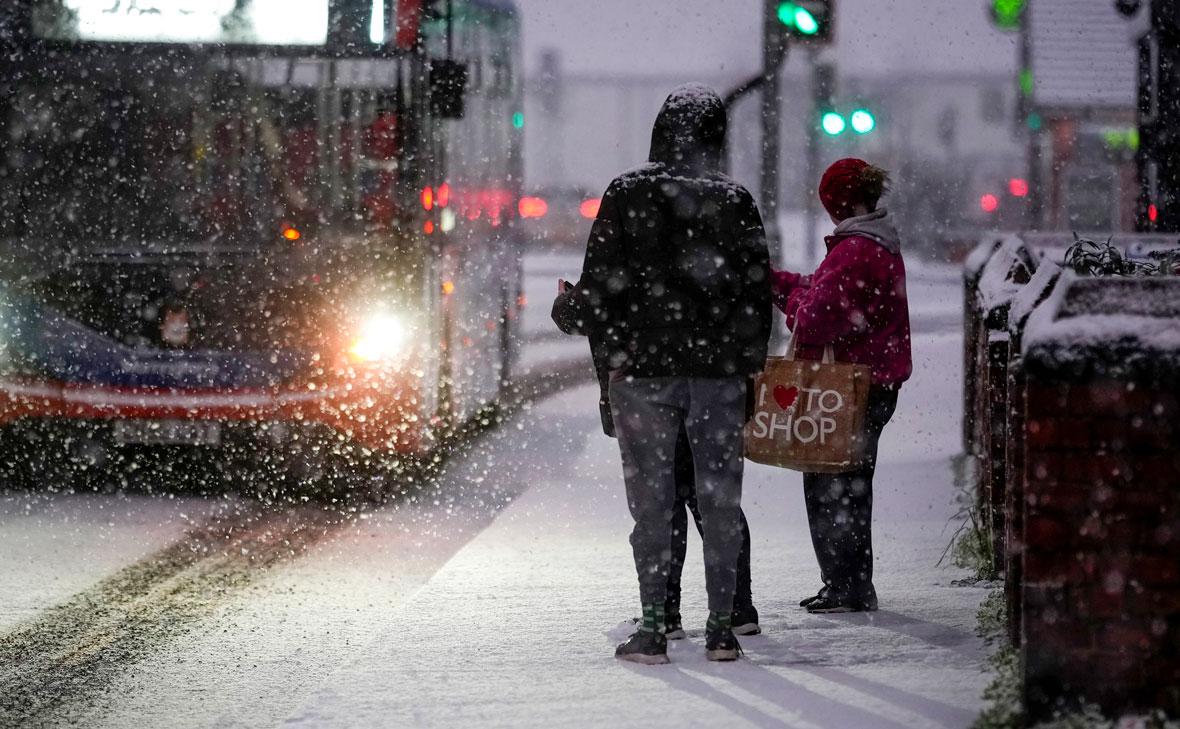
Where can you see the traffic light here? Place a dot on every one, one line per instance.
(832, 123)
(863, 121)
(809, 20)
(1008, 14)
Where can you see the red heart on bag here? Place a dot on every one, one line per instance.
(785, 396)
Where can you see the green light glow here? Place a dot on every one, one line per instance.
(832, 123)
(518, 120)
(1034, 121)
(862, 121)
(1007, 13)
(1122, 137)
(1026, 82)
(801, 19)
(806, 22)
(786, 14)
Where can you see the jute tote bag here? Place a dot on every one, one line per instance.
(809, 416)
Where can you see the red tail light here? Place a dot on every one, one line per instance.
(533, 207)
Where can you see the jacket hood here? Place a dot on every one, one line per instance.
(877, 226)
(690, 129)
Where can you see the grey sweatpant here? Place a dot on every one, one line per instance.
(648, 414)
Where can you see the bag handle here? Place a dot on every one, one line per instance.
(829, 356)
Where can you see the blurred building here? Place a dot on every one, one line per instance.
(951, 140)
(1082, 66)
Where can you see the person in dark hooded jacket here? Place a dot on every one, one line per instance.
(675, 296)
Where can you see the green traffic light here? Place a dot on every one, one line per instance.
(801, 19)
(1007, 13)
(832, 123)
(863, 121)
(805, 22)
(786, 13)
(518, 120)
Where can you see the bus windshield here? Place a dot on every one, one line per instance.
(185, 150)
(254, 22)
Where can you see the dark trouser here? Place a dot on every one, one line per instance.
(649, 414)
(686, 501)
(840, 512)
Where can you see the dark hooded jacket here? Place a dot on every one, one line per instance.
(676, 279)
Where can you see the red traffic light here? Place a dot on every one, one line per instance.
(1018, 187)
(589, 208)
(989, 203)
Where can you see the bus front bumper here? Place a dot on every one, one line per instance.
(384, 418)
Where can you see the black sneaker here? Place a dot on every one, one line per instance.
(823, 592)
(745, 620)
(721, 645)
(644, 646)
(831, 604)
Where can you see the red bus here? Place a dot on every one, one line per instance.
(263, 224)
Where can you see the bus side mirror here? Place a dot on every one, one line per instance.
(448, 88)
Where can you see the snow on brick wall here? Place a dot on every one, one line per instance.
(1008, 269)
(1101, 509)
(1107, 324)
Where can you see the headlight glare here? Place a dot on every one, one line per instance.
(382, 337)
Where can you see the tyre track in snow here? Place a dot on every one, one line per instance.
(71, 652)
(68, 655)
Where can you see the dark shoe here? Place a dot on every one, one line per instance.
(745, 621)
(823, 592)
(644, 646)
(831, 604)
(721, 645)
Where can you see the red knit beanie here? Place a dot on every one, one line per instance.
(840, 188)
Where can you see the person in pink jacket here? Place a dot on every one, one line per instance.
(855, 302)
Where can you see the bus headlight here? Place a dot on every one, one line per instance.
(381, 338)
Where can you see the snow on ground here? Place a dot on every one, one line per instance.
(497, 601)
(518, 628)
(54, 545)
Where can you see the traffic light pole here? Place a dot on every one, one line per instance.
(774, 51)
(821, 92)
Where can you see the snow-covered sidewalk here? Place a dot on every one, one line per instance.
(518, 628)
(497, 598)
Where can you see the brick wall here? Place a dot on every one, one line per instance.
(1101, 535)
(1014, 497)
(995, 439)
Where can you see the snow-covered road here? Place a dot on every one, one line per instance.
(496, 599)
